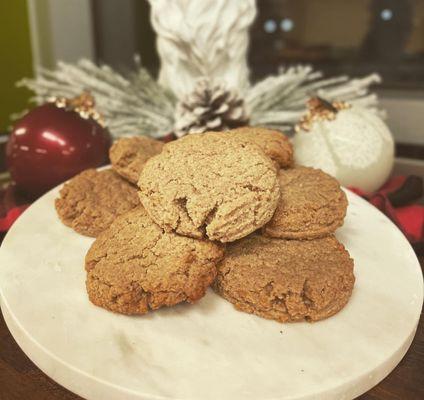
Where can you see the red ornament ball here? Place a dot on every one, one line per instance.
(50, 145)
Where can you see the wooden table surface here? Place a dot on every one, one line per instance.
(20, 379)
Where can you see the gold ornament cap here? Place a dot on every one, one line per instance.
(320, 109)
(83, 104)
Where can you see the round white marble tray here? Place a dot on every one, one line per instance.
(209, 350)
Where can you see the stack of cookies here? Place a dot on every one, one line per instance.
(221, 209)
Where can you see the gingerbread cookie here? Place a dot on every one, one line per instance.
(135, 266)
(128, 155)
(210, 185)
(90, 201)
(274, 143)
(286, 280)
(311, 205)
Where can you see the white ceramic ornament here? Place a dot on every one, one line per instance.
(202, 38)
(350, 143)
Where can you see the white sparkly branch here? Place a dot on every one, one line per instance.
(351, 89)
(274, 90)
(277, 119)
(280, 100)
(136, 104)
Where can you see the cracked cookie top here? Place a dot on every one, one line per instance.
(91, 200)
(286, 280)
(135, 266)
(128, 155)
(311, 205)
(210, 185)
(274, 143)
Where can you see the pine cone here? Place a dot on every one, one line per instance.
(210, 107)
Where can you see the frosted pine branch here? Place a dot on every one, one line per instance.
(136, 104)
(279, 101)
(133, 105)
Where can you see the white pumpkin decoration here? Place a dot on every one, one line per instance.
(350, 143)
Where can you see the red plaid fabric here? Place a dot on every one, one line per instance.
(396, 199)
(12, 205)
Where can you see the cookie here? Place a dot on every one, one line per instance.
(210, 185)
(274, 143)
(135, 266)
(128, 155)
(286, 280)
(311, 205)
(90, 201)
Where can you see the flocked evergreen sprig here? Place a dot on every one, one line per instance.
(130, 105)
(279, 101)
(137, 104)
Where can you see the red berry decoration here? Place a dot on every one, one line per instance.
(54, 142)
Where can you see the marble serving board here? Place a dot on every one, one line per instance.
(208, 350)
